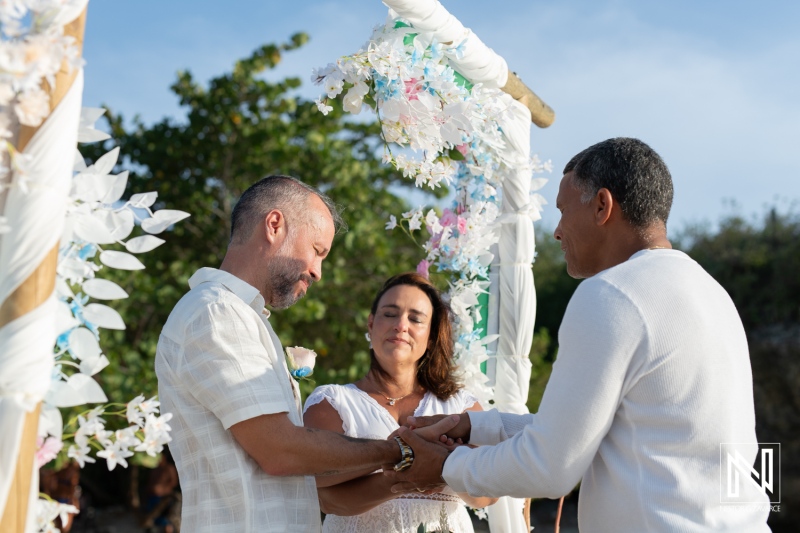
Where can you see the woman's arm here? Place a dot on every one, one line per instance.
(473, 501)
(323, 416)
(356, 496)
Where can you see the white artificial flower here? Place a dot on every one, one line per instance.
(157, 425)
(6, 94)
(150, 406)
(392, 222)
(132, 412)
(32, 106)
(300, 357)
(151, 446)
(323, 107)
(127, 438)
(353, 102)
(318, 74)
(432, 221)
(333, 86)
(80, 454)
(6, 123)
(115, 455)
(415, 223)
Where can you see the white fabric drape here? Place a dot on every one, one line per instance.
(35, 208)
(479, 63)
(512, 297)
(512, 306)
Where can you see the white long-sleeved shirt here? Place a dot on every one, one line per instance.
(652, 376)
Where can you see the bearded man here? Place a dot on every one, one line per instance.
(244, 460)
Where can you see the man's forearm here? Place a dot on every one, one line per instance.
(323, 453)
(283, 449)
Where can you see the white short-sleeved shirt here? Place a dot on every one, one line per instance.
(218, 363)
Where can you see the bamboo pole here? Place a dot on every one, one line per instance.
(28, 296)
(541, 114)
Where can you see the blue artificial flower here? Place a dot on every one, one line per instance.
(87, 252)
(63, 340)
(301, 373)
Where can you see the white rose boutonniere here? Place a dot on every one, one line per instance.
(301, 362)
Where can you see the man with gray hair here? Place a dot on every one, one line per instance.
(244, 460)
(652, 375)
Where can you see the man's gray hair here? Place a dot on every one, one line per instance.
(286, 193)
(634, 173)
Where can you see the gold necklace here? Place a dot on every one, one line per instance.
(659, 248)
(392, 401)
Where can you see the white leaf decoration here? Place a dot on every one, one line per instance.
(62, 289)
(118, 189)
(83, 344)
(79, 164)
(51, 422)
(538, 183)
(90, 368)
(145, 243)
(142, 200)
(64, 319)
(163, 219)
(91, 135)
(77, 390)
(103, 316)
(89, 187)
(87, 228)
(86, 130)
(103, 289)
(105, 164)
(120, 260)
(119, 223)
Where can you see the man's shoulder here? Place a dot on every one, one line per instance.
(204, 300)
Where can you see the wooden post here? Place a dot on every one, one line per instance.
(28, 296)
(541, 114)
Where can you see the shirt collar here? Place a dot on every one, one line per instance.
(246, 292)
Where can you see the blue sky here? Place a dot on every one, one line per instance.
(713, 86)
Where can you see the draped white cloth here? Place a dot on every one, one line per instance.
(512, 308)
(35, 208)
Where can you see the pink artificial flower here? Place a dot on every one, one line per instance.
(413, 87)
(462, 225)
(422, 269)
(448, 218)
(47, 450)
(463, 148)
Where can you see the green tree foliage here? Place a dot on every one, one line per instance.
(758, 263)
(238, 129)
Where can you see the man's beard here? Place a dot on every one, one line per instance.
(283, 280)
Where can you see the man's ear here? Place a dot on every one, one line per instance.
(274, 226)
(604, 206)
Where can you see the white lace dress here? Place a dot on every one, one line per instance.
(365, 418)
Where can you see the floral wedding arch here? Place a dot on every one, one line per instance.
(438, 90)
(455, 115)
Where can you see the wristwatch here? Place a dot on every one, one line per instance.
(407, 455)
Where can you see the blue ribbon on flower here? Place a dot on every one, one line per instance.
(301, 373)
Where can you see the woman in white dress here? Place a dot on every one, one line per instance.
(411, 374)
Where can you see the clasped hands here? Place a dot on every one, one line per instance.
(432, 439)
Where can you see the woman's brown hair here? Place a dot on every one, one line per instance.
(435, 370)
